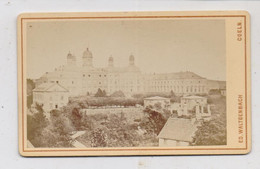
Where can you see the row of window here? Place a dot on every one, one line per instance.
(173, 82)
(185, 101)
(37, 96)
(100, 75)
(41, 97)
(84, 75)
(56, 97)
(137, 81)
(180, 89)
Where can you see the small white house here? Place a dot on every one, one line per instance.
(177, 132)
(189, 103)
(51, 96)
(192, 101)
(157, 101)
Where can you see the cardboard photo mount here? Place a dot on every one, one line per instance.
(237, 93)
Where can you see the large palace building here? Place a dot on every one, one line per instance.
(87, 79)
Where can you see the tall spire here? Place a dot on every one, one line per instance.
(111, 61)
(87, 54)
(131, 60)
(71, 59)
(87, 58)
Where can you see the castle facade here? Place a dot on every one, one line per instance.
(87, 79)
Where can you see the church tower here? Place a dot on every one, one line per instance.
(131, 60)
(87, 58)
(71, 59)
(110, 61)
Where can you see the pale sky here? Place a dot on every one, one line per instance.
(159, 46)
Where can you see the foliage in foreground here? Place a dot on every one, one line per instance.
(211, 132)
(114, 130)
(49, 133)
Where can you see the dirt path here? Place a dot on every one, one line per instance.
(76, 143)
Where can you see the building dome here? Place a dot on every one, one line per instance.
(131, 60)
(70, 56)
(111, 59)
(71, 59)
(87, 54)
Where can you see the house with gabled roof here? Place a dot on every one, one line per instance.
(50, 96)
(163, 102)
(178, 132)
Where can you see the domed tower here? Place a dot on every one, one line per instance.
(71, 59)
(131, 60)
(111, 61)
(87, 58)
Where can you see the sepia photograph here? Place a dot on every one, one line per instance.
(134, 83)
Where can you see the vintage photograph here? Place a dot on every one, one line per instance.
(126, 83)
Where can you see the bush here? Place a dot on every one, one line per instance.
(98, 138)
(214, 92)
(118, 94)
(154, 122)
(44, 133)
(35, 124)
(211, 132)
(30, 87)
(100, 93)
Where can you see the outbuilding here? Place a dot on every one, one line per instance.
(50, 96)
(157, 101)
(177, 132)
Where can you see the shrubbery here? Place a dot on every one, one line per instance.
(49, 133)
(117, 94)
(213, 132)
(101, 93)
(30, 87)
(85, 102)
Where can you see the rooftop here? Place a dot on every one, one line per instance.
(156, 98)
(50, 87)
(194, 97)
(179, 129)
(177, 75)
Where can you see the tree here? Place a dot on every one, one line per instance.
(57, 134)
(104, 93)
(29, 101)
(99, 138)
(118, 94)
(71, 111)
(36, 124)
(30, 87)
(155, 121)
(211, 132)
(174, 98)
(49, 133)
(118, 132)
(138, 96)
(76, 118)
(158, 106)
(214, 92)
(172, 94)
(100, 93)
